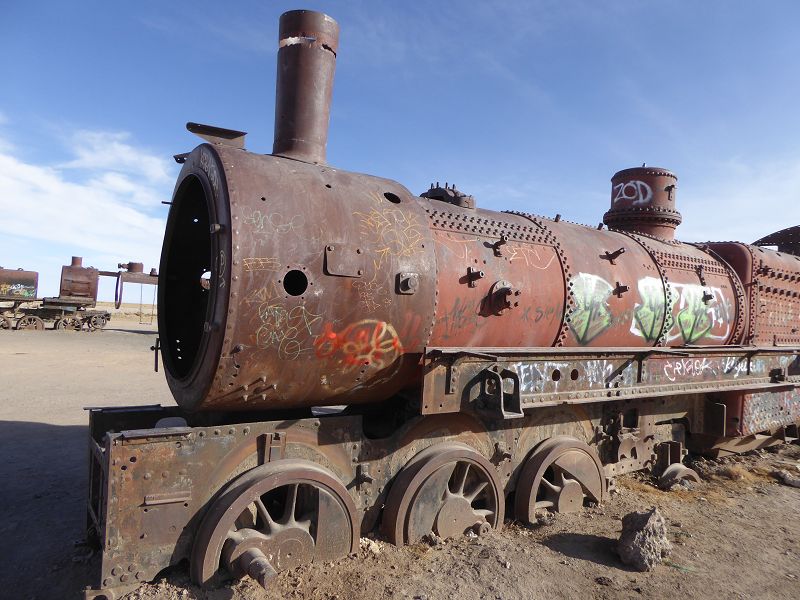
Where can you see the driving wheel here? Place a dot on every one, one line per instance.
(561, 475)
(272, 518)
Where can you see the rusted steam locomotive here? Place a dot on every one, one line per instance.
(20, 307)
(491, 364)
(71, 310)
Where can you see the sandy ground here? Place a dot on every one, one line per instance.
(736, 535)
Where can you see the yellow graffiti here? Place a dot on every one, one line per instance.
(260, 264)
(284, 329)
(392, 232)
(371, 294)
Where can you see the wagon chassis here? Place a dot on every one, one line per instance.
(66, 314)
(158, 472)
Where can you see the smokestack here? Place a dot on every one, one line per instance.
(77, 261)
(643, 201)
(308, 42)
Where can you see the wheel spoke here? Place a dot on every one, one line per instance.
(476, 492)
(461, 477)
(266, 518)
(550, 487)
(291, 504)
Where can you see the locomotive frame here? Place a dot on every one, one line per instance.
(253, 474)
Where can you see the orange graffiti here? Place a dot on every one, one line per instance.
(368, 343)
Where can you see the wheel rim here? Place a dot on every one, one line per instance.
(447, 490)
(30, 322)
(67, 324)
(275, 517)
(560, 475)
(96, 322)
(676, 473)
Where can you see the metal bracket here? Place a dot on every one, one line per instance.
(363, 475)
(498, 245)
(701, 274)
(344, 260)
(271, 446)
(508, 403)
(612, 256)
(217, 135)
(474, 275)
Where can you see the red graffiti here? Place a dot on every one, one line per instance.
(368, 343)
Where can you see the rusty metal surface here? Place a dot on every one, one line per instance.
(158, 472)
(130, 272)
(17, 285)
(506, 382)
(772, 281)
(78, 283)
(676, 473)
(643, 201)
(446, 490)
(275, 517)
(750, 413)
(274, 329)
(787, 240)
(308, 42)
(311, 286)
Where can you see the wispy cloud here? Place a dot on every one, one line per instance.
(110, 151)
(104, 202)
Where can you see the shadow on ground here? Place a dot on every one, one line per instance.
(44, 484)
(594, 548)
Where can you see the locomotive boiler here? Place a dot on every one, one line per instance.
(480, 362)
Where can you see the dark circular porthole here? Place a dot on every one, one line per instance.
(295, 282)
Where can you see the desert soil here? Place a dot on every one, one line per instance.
(736, 535)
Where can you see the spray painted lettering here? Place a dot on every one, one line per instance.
(368, 343)
(648, 317)
(285, 330)
(591, 315)
(17, 290)
(392, 233)
(635, 192)
(696, 318)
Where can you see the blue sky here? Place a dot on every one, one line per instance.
(526, 105)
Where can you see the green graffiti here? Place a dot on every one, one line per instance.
(693, 320)
(17, 290)
(591, 315)
(649, 316)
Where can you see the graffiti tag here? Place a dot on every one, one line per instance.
(636, 192)
(284, 329)
(368, 343)
(591, 315)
